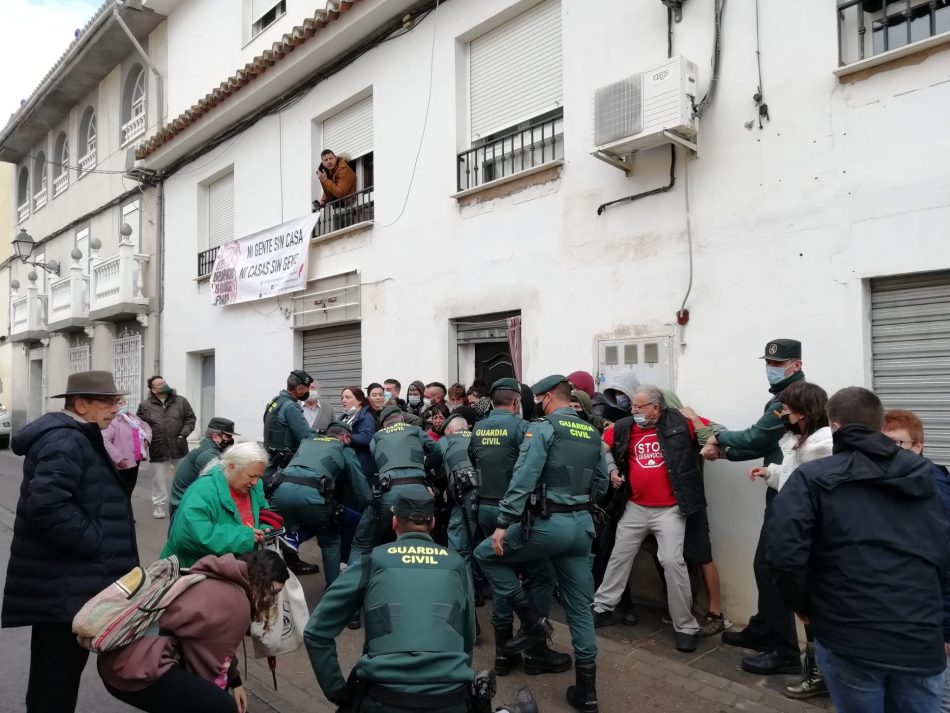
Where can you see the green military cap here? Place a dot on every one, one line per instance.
(419, 509)
(548, 383)
(782, 350)
(388, 411)
(340, 424)
(506, 384)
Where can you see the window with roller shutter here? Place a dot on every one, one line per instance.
(219, 229)
(910, 352)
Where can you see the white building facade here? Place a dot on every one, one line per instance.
(822, 216)
(94, 305)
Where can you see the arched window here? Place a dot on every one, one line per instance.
(23, 194)
(61, 164)
(87, 140)
(40, 177)
(133, 104)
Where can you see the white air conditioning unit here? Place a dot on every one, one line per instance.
(649, 109)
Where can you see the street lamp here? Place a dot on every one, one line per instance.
(23, 247)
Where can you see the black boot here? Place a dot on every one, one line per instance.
(297, 565)
(524, 703)
(503, 663)
(542, 659)
(813, 685)
(535, 628)
(583, 695)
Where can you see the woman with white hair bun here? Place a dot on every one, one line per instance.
(220, 512)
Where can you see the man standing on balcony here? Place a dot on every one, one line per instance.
(172, 420)
(336, 177)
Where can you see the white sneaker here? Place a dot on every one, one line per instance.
(158, 513)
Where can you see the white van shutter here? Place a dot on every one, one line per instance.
(333, 356)
(515, 70)
(350, 131)
(221, 211)
(910, 348)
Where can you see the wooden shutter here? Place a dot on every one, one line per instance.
(221, 211)
(515, 70)
(910, 349)
(350, 131)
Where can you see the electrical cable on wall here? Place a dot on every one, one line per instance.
(682, 316)
(759, 96)
(637, 196)
(698, 109)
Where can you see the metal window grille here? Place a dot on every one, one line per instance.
(359, 207)
(78, 358)
(871, 27)
(206, 260)
(127, 364)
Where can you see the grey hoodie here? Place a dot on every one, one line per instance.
(625, 383)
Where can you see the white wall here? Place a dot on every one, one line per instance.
(787, 222)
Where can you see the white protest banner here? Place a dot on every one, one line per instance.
(266, 264)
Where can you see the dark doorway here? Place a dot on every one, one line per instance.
(493, 362)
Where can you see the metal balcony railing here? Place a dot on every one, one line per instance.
(344, 212)
(206, 260)
(88, 162)
(511, 152)
(23, 211)
(60, 183)
(871, 27)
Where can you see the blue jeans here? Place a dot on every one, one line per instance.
(945, 703)
(857, 688)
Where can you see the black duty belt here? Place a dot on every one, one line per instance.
(424, 701)
(557, 507)
(414, 480)
(482, 500)
(314, 483)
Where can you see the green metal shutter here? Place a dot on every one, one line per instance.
(910, 348)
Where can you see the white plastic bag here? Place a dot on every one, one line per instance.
(288, 618)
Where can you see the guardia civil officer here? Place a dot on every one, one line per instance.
(399, 450)
(495, 443)
(307, 490)
(420, 621)
(284, 423)
(561, 462)
(461, 484)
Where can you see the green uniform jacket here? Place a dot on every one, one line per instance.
(531, 460)
(760, 440)
(419, 614)
(208, 522)
(323, 456)
(496, 442)
(401, 446)
(284, 424)
(190, 468)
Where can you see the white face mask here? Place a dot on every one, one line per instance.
(426, 403)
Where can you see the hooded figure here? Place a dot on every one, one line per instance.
(618, 395)
(583, 382)
(415, 408)
(583, 399)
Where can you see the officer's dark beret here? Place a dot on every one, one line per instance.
(419, 509)
(340, 424)
(387, 412)
(782, 350)
(302, 377)
(548, 383)
(506, 384)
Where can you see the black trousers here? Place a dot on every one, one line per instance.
(129, 478)
(56, 664)
(179, 691)
(774, 621)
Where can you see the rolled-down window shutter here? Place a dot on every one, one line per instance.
(333, 356)
(910, 344)
(221, 211)
(350, 131)
(259, 8)
(515, 70)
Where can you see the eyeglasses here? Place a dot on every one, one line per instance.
(110, 400)
(903, 444)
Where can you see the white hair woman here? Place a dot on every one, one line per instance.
(219, 512)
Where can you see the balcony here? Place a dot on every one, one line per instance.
(133, 129)
(346, 214)
(28, 316)
(23, 211)
(60, 183)
(870, 28)
(39, 199)
(87, 162)
(206, 261)
(508, 153)
(69, 302)
(116, 287)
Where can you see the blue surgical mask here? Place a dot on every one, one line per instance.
(623, 402)
(124, 409)
(387, 395)
(415, 400)
(640, 419)
(775, 374)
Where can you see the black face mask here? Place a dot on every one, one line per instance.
(225, 444)
(581, 415)
(789, 426)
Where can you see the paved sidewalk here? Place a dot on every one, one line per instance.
(638, 667)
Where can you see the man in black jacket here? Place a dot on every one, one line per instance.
(858, 546)
(73, 536)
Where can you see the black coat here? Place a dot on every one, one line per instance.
(74, 533)
(858, 542)
(172, 421)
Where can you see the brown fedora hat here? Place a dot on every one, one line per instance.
(90, 383)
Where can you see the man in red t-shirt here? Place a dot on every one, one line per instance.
(660, 471)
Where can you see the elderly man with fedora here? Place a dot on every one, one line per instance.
(73, 536)
(218, 436)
